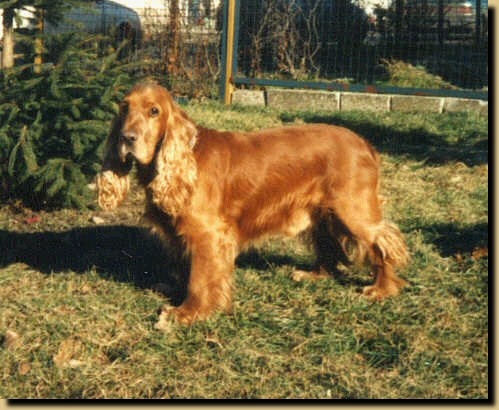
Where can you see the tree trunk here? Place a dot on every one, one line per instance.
(39, 42)
(8, 38)
(173, 38)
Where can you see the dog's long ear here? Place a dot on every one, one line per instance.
(113, 181)
(176, 168)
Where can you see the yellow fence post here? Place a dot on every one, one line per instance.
(229, 85)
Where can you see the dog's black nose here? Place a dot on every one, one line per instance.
(129, 136)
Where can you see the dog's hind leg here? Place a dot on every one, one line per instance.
(326, 234)
(383, 241)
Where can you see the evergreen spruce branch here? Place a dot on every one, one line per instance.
(13, 154)
(8, 4)
(72, 103)
(54, 84)
(75, 111)
(112, 58)
(13, 112)
(77, 146)
(80, 126)
(33, 82)
(51, 172)
(110, 92)
(57, 184)
(29, 157)
(15, 72)
(5, 143)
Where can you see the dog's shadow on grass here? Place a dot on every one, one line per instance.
(264, 260)
(451, 240)
(130, 254)
(121, 253)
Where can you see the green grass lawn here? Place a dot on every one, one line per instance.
(78, 300)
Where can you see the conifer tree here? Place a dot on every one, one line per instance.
(53, 123)
(51, 10)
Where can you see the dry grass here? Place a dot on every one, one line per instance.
(78, 305)
(403, 74)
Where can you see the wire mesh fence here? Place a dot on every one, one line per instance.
(402, 43)
(175, 41)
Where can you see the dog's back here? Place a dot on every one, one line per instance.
(276, 180)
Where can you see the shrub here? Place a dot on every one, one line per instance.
(53, 123)
(403, 74)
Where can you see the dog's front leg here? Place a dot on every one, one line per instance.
(210, 283)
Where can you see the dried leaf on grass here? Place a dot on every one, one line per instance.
(12, 339)
(97, 220)
(73, 363)
(24, 368)
(68, 350)
(85, 289)
(479, 253)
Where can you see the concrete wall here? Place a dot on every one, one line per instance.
(312, 100)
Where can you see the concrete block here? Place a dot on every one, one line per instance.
(416, 103)
(461, 104)
(303, 100)
(365, 102)
(249, 97)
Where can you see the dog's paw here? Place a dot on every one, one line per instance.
(301, 275)
(170, 316)
(391, 287)
(165, 321)
(373, 293)
(378, 293)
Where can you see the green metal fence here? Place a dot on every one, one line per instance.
(439, 47)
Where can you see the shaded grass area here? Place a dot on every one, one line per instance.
(121, 253)
(79, 300)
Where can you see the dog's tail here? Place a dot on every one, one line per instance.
(388, 241)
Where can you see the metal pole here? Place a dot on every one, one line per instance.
(441, 33)
(235, 37)
(228, 52)
(223, 62)
(478, 17)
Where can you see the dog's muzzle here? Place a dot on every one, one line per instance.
(125, 148)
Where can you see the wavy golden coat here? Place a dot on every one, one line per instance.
(219, 191)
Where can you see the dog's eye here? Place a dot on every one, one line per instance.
(154, 112)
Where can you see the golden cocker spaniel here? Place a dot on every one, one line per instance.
(217, 191)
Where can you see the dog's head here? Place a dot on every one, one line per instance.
(142, 122)
(152, 130)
